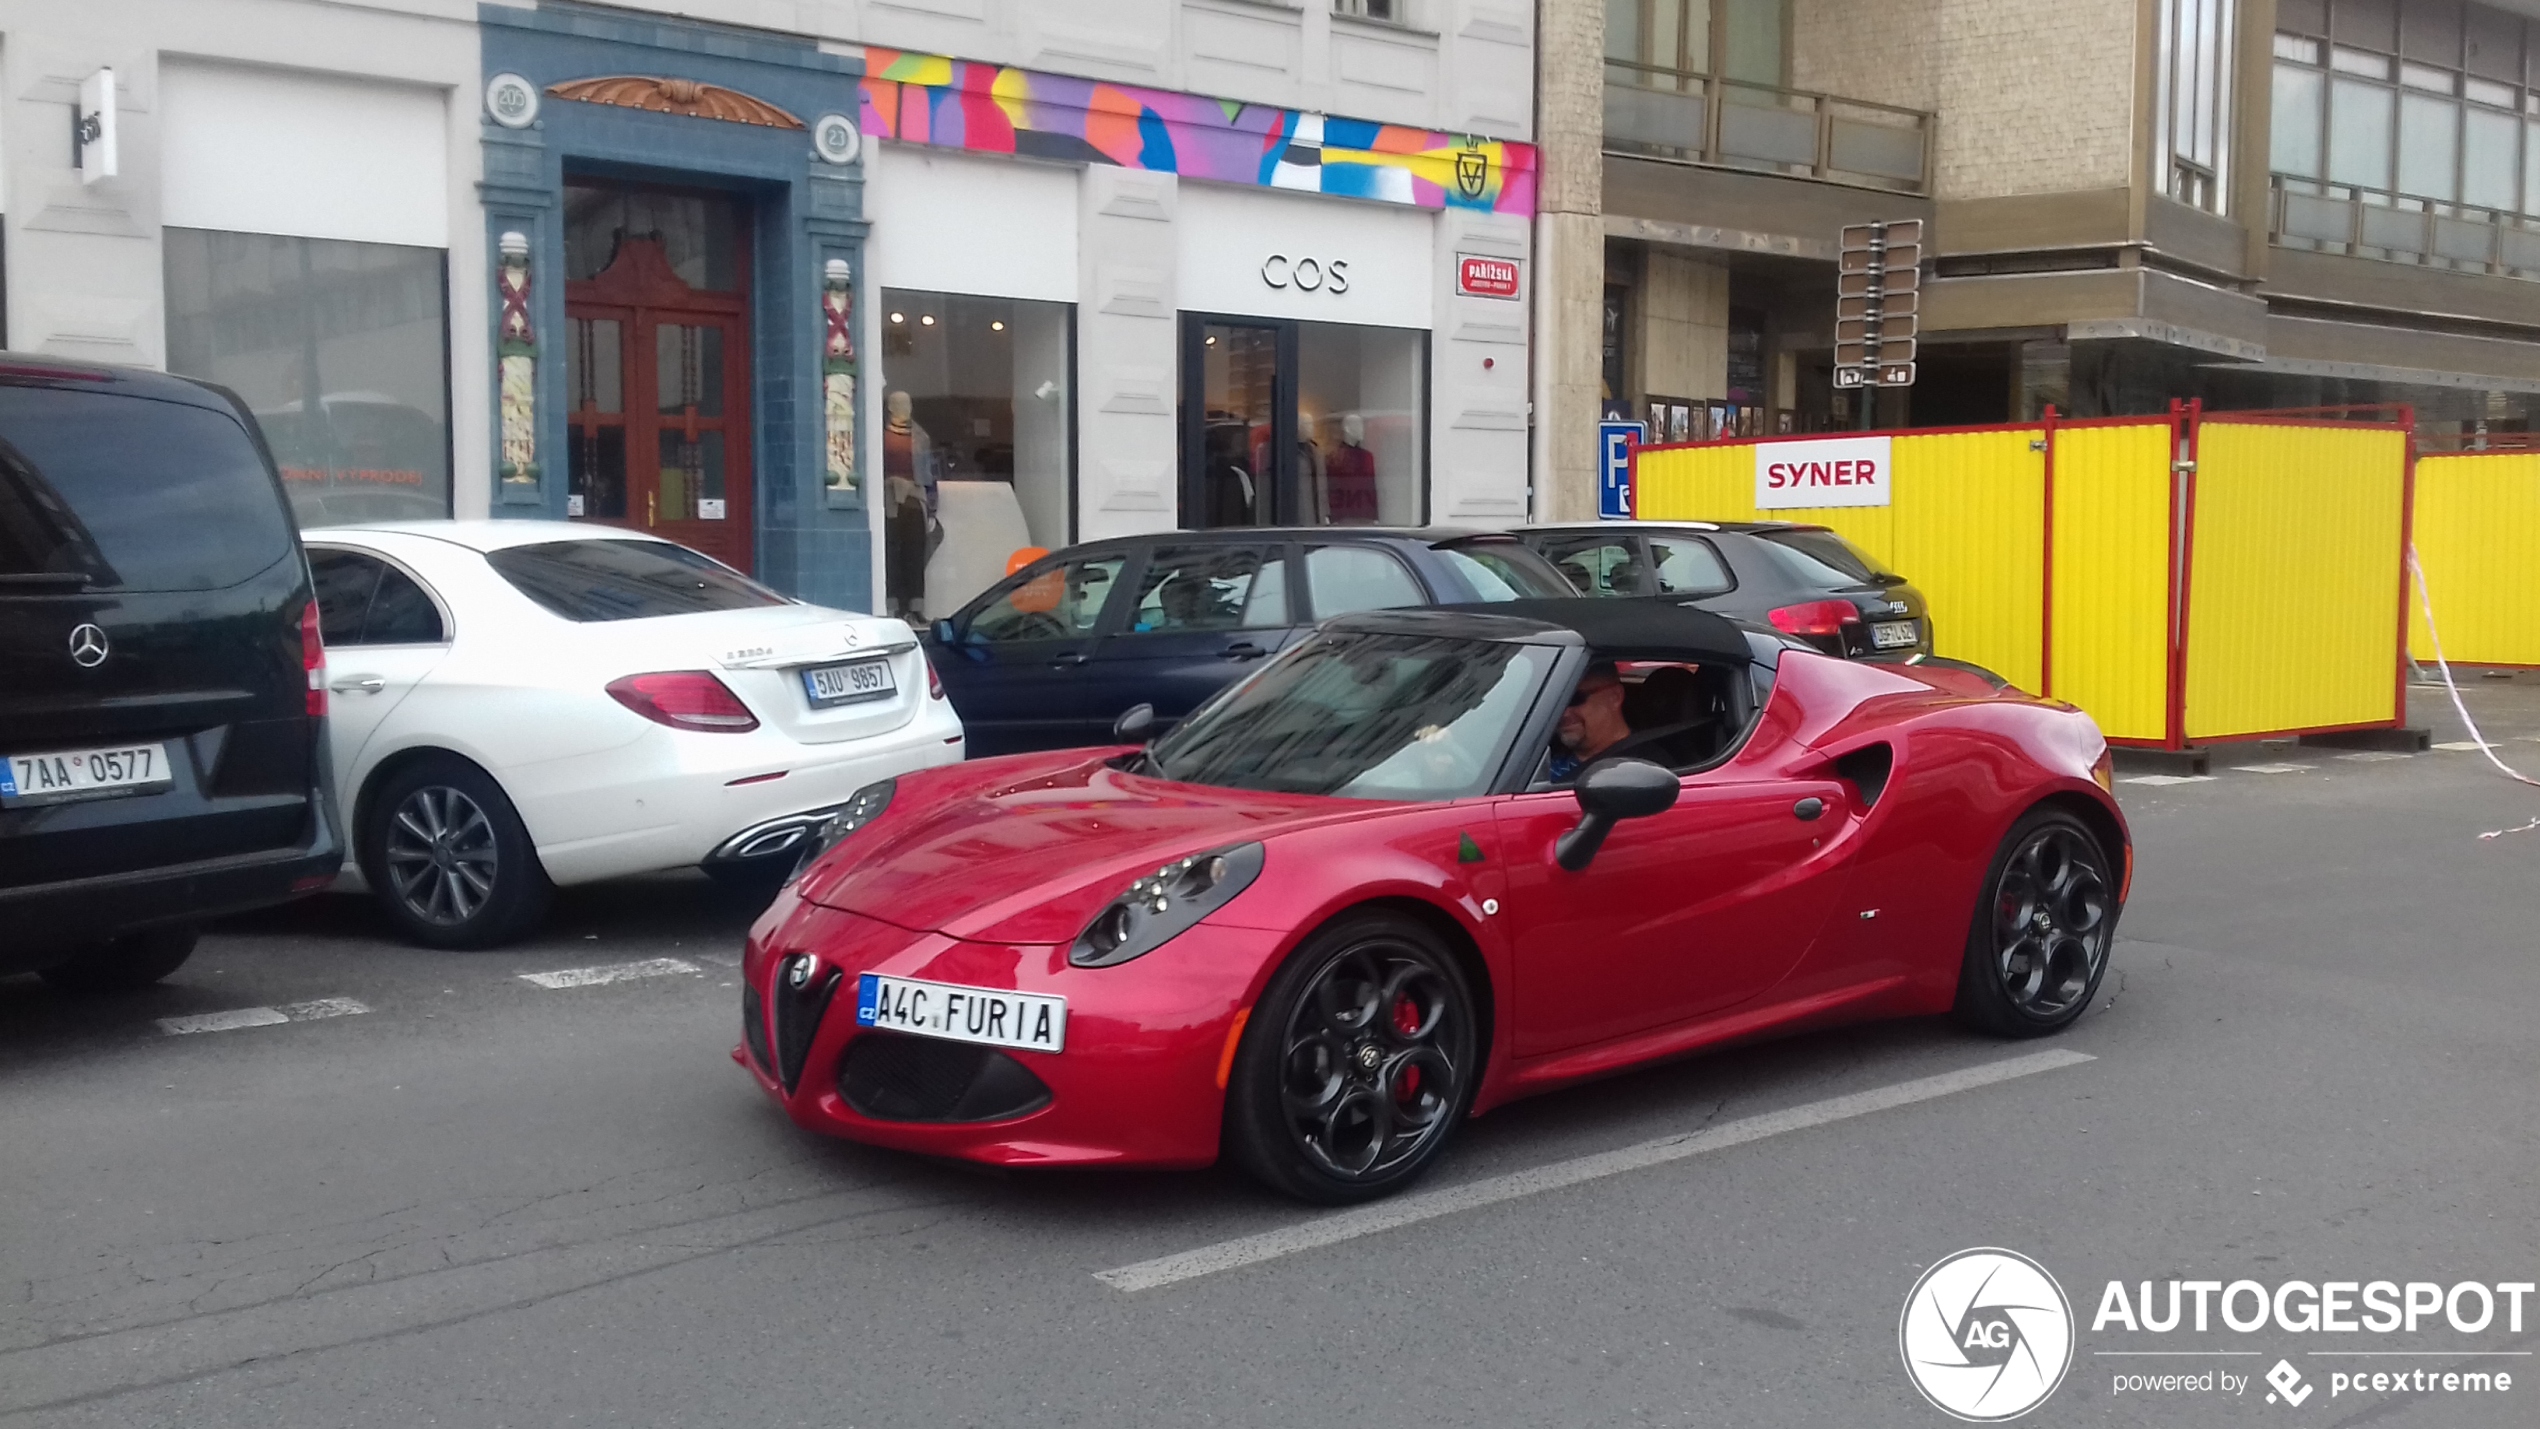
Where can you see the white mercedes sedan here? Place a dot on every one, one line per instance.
(518, 705)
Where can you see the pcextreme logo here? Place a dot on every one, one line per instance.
(1986, 1335)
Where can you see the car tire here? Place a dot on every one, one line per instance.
(2044, 921)
(1357, 1064)
(124, 964)
(449, 858)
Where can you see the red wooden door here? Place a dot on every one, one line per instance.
(658, 379)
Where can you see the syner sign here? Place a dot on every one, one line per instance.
(1834, 471)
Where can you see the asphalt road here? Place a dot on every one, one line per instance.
(484, 1201)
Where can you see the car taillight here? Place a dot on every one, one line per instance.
(313, 659)
(1816, 617)
(685, 699)
(934, 683)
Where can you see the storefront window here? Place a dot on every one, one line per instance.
(342, 352)
(1353, 433)
(977, 456)
(1358, 425)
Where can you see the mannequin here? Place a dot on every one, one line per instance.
(1351, 471)
(908, 505)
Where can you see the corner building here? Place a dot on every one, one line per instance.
(2256, 203)
(862, 307)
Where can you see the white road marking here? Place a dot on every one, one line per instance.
(609, 973)
(1429, 1205)
(2375, 756)
(2274, 768)
(2160, 779)
(239, 1017)
(2464, 746)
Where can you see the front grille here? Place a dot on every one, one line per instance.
(798, 1014)
(891, 1077)
(754, 1026)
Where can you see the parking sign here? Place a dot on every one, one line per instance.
(1614, 443)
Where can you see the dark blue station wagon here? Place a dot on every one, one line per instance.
(1051, 655)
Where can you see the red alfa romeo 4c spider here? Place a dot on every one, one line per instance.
(1348, 903)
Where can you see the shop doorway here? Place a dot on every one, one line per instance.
(657, 364)
(1302, 424)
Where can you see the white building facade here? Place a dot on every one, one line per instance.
(863, 307)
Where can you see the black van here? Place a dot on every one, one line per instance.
(162, 684)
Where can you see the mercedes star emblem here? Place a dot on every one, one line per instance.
(88, 646)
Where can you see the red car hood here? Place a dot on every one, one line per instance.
(1026, 849)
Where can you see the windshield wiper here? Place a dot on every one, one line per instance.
(73, 580)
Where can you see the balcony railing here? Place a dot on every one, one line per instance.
(2401, 228)
(1658, 113)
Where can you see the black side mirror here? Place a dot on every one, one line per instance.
(1135, 725)
(1609, 791)
(944, 632)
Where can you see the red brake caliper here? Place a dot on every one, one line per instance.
(1406, 1020)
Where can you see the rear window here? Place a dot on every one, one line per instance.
(115, 492)
(625, 580)
(1505, 570)
(1824, 558)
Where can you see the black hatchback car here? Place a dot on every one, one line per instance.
(1051, 655)
(162, 731)
(1801, 580)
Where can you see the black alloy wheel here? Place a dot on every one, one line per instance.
(2040, 940)
(1357, 1063)
(449, 857)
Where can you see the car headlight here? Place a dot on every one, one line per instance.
(1164, 905)
(861, 808)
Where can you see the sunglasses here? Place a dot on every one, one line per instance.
(1585, 693)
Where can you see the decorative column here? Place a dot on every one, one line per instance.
(838, 374)
(516, 348)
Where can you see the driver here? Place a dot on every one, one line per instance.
(1592, 724)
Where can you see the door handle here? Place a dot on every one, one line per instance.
(366, 684)
(1808, 808)
(1243, 650)
(1067, 661)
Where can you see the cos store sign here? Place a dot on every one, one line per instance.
(1306, 275)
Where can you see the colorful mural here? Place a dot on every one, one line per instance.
(994, 109)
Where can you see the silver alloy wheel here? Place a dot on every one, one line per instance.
(441, 855)
(2050, 922)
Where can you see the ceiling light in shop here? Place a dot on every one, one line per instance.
(929, 319)
(1212, 341)
(897, 318)
(998, 326)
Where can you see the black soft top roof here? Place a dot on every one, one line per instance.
(1633, 628)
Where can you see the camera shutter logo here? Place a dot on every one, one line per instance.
(88, 646)
(1986, 1335)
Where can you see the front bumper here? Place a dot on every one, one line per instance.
(1136, 1084)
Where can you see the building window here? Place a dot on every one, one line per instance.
(2194, 104)
(1748, 38)
(978, 450)
(1371, 9)
(2426, 107)
(341, 350)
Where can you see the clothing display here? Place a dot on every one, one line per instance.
(909, 528)
(1350, 476)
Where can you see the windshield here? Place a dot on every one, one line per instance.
(1823, 558)
(605, 579)
(1363, 716)
(1505, 570)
